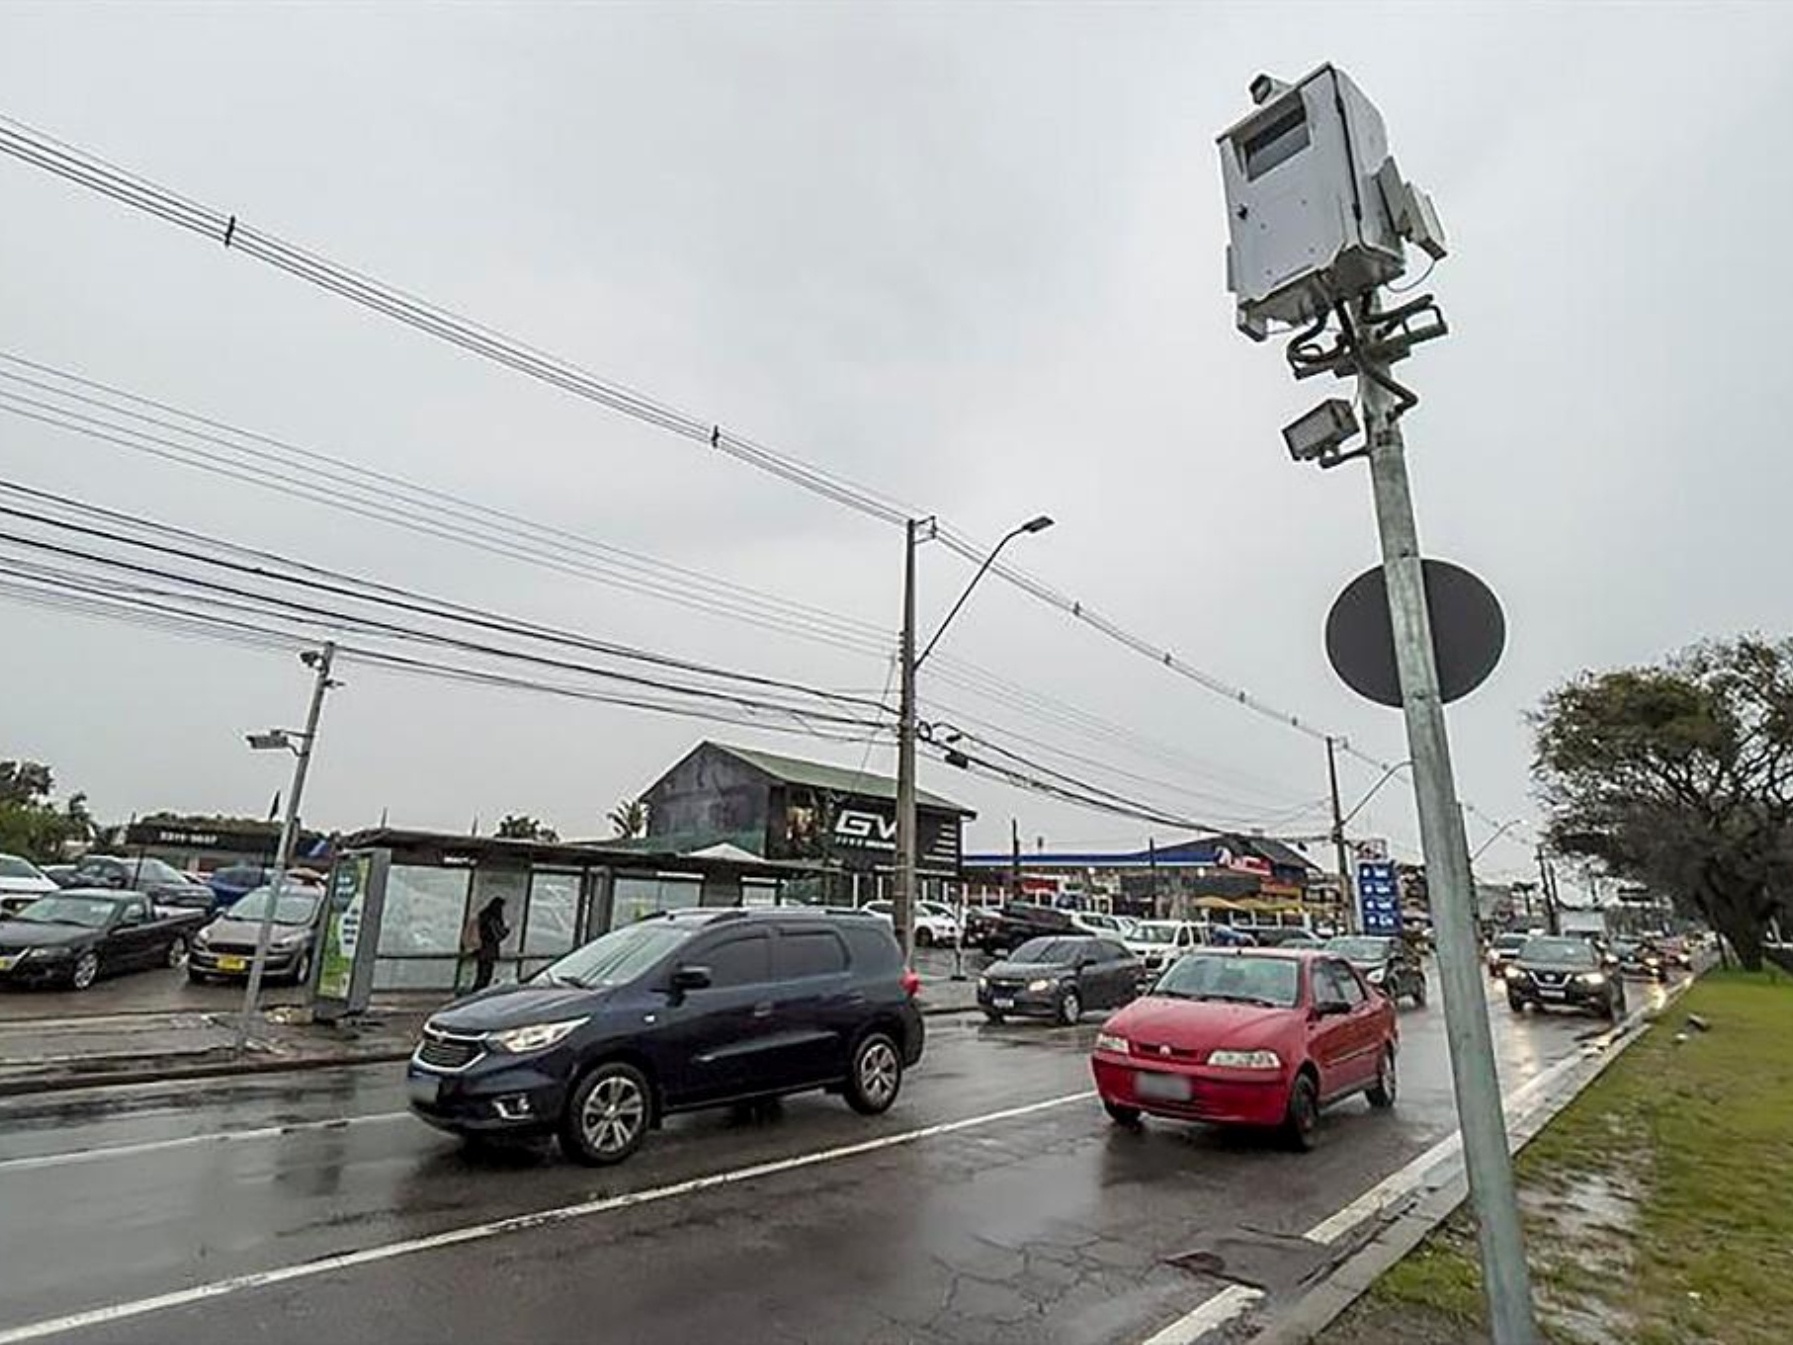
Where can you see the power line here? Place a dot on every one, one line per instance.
(88, 170)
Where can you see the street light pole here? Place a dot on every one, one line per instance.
(288, 829)
(1477, 1088)
(904, 898)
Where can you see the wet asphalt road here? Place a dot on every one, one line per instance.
(1026, 1217)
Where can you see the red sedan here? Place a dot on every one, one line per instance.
(1249, 1037)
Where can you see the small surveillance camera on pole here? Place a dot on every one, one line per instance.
(1319, 220)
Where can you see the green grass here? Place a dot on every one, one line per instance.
(1702, 1134)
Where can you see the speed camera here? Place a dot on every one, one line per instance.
(1317, 212)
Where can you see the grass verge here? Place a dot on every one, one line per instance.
(1658, 1205)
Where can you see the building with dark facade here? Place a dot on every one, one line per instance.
(786, 809)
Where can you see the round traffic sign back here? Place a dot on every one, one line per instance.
(1469, 631)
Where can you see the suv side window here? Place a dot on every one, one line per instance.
(744, 959)
(808, 952)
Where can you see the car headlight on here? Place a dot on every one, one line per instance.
(983, 983)
(1245, 1059)
(1515, 973)
(1044, 983)
(1594, 978)
(535, 1036)
(1112, 1041)
(1375, 974)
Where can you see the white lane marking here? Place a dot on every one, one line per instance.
(34, 1161)
(455, 1237)
(1216, 1312)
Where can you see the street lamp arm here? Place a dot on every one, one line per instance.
(1499, 831)
(1039, 524)
(1387, 775)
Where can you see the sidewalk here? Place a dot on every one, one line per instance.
(168, 1029)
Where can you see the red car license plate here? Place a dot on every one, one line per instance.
(1161, 1087)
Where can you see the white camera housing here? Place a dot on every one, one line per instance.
(1311, 223)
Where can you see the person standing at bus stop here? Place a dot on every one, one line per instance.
(484, 936)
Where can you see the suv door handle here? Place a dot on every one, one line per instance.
(763, 1009)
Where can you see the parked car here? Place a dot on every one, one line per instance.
(1385, 962)
(1101, 924)
(683, 1010)
(233, 882)
(1231, 936)
(1058, 977)
(1020, 921)
(935, 924)
(1249, 1037)
(164, 884)
(21, 883)
(63, 875)
(1634, 957)
(1559, 972)
(1281, 936)
(76, 936)
(225, 949)
(1158, 943)
(1502, 949)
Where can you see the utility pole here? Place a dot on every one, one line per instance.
(289, 824)
(903, 898)
(1346, 898)
(1014, 860)
(1473, 1076)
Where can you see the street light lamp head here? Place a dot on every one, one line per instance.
(274, 740)
(1038, 524)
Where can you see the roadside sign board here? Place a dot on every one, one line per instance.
(351, 934)
(1379, 898)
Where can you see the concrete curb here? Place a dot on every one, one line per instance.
(217, 1069)
(1403, 1230)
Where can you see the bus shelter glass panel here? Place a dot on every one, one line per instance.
(420, 928)
(512, 886)
(553, 907)
(639, 895)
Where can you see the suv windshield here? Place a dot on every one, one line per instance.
(1563, 952)
(294, 908)
(617, 957)
(1361, 950)
(1058, 951)
(1271, 981)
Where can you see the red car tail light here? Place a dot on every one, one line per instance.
(911, 983)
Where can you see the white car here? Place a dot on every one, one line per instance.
(21, 883)
(935, 923)
(1161, 942)
(1101, 925)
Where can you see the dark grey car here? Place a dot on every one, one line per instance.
(1058, 977)
(225, 949)
(1386, 962)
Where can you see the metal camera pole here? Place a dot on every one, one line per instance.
(283, 848)
(1477, 1086)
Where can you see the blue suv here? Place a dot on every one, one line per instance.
(692, 1009)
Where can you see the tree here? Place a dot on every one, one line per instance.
(1681, 777)
(29, 825)
(629, 818)
(522, 827)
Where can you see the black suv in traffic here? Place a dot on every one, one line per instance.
(691, 1009)
(1563, 973)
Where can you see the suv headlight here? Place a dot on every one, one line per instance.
(1112, 1041)
(534, 1036)
(1044, 983)
(1594, 978)
(1515, 973)
(1245, 1059)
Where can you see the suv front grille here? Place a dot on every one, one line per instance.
(442, 1050)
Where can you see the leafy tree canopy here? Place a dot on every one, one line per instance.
(1681, 777)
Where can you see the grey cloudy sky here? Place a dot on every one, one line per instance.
(968, 255)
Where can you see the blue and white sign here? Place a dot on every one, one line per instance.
(1379, 898)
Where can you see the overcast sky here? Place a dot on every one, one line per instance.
(968, 255)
